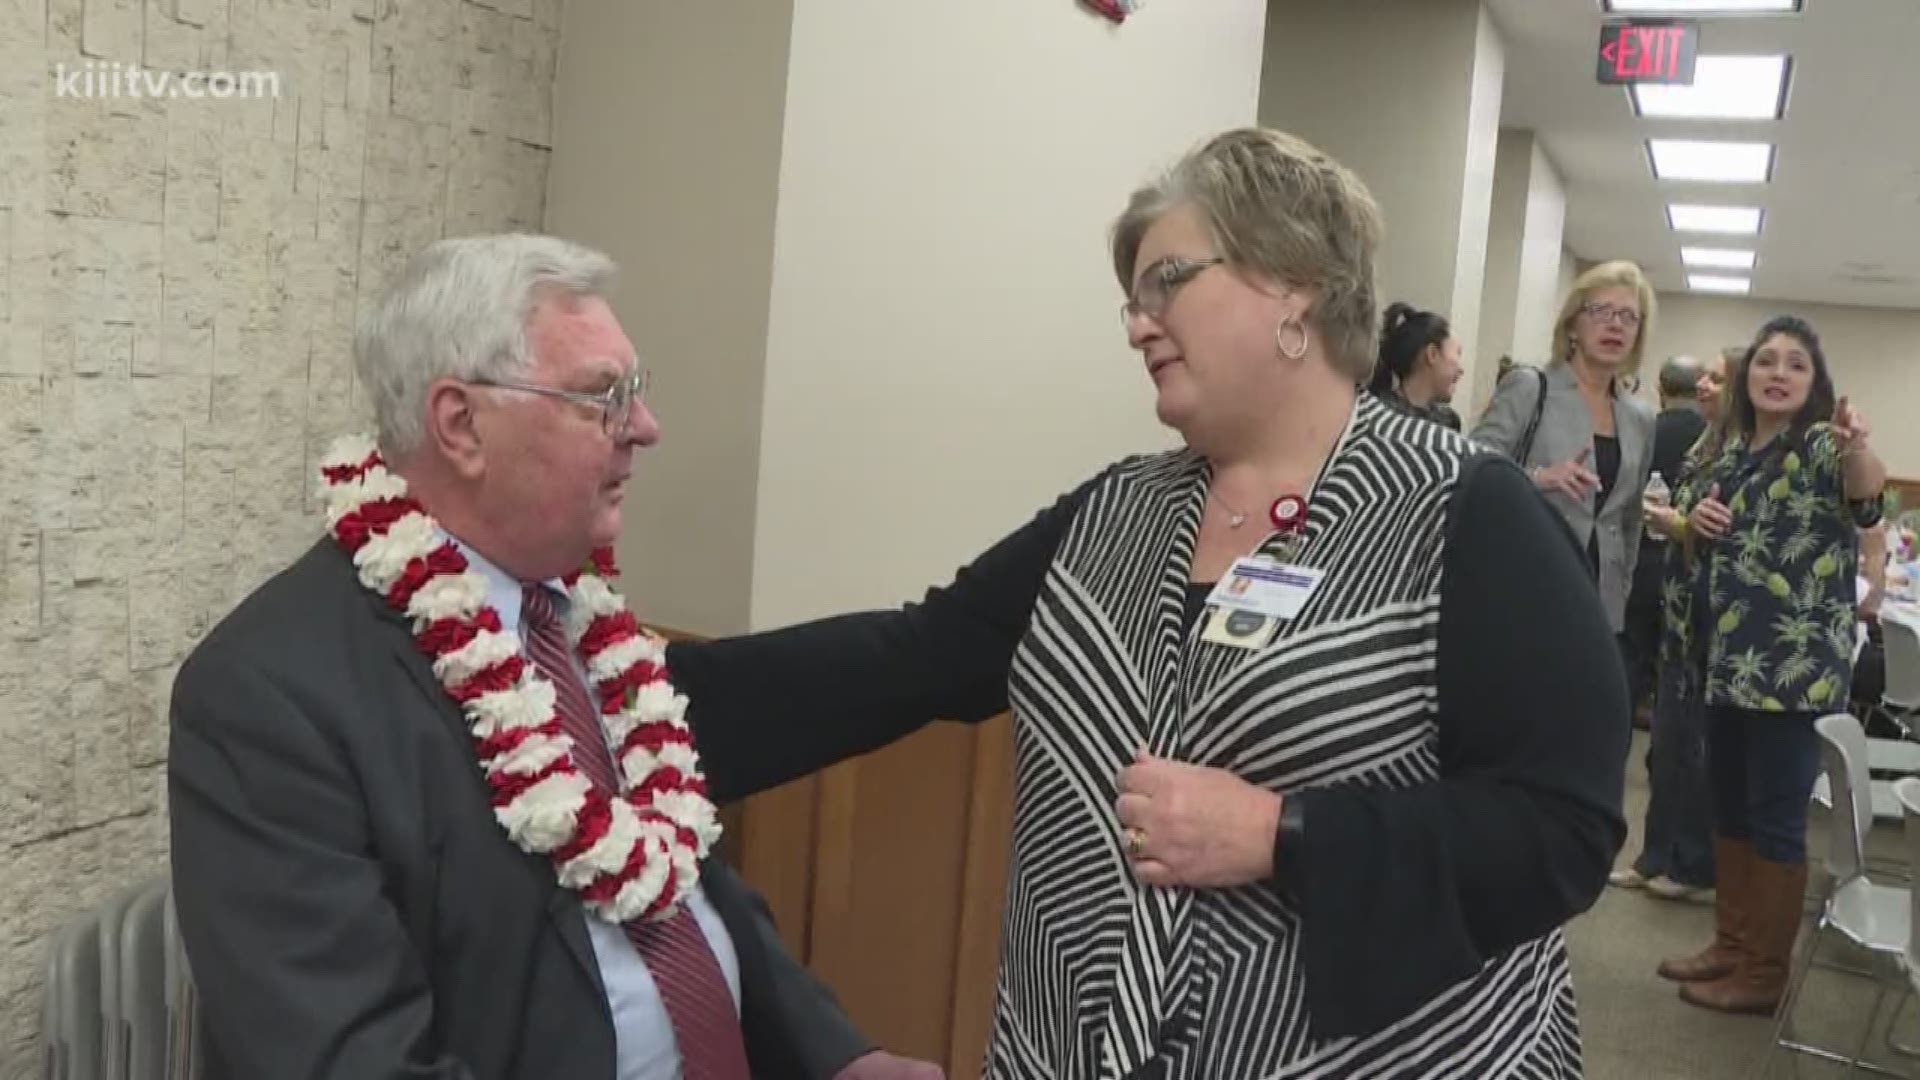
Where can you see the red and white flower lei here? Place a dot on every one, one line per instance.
(634, 855)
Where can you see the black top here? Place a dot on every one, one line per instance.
(1675, 431)
(1404, 892)
(1439, 412)
(1606, 466)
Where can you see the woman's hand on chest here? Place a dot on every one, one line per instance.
(1194, 825)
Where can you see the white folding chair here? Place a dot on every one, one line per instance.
(1908, 792)
(1900, 701)
(1871, 916)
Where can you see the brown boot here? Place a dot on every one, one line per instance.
(1731, 859)
(1775, 893)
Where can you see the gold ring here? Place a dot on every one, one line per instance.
(1136, 843)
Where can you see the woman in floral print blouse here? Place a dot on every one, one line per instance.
(1772, 521)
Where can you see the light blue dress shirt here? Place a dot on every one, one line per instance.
(643, 1036)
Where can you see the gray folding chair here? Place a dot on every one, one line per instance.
(54, 1056)
(113, 1023)
(74, 1038)
(183, 1043)
(143, 986)
(1870, 915)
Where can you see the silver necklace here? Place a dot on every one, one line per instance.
(1235, 518)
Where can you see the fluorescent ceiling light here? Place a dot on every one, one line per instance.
(1702, 7)
(1716, 283)
(1714, 162)
(1724, 88)
(1717, 258)
(1732, 220)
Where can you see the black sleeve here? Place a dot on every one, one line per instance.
(1675, 432)
(1406, 892)
(772, 707)
(301, 962)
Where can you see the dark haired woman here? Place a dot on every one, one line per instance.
(1419, 364)
(1772, 520)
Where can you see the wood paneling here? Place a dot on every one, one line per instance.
(886, 876)
(777, 857)
(982, 897)
(889, 883)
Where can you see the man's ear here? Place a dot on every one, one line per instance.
(453, 427)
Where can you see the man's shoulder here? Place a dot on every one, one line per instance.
(1681, 418)
(300, 620)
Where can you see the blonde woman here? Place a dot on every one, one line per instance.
(1332, 835)
(1584, 440)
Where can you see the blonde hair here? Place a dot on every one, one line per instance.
(1281, 209)
(1619, 274)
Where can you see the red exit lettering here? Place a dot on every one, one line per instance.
(1659, 52)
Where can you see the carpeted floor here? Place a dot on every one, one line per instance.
(1634, 1025)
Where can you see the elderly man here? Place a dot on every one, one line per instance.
(1675, 429)
(434, 811)
(1676, 854)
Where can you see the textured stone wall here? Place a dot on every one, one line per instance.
(179, 280)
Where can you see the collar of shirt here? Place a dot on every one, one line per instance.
(504, 590)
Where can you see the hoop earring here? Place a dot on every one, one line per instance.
(1280, 340)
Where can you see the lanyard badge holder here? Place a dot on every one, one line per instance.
(1263, 590)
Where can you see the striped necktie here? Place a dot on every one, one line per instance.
(706, 1027)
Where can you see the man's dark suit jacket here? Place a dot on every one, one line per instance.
(350, 907)
(1675, 431)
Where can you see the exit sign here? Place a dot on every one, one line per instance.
(1648, 51)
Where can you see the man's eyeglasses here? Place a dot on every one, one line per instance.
(1158, 284)
(615, 402)
(1606, 313)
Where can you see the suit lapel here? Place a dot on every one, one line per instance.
(563, 905)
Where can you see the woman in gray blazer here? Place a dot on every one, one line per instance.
(1584, 440)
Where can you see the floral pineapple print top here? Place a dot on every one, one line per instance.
(1776, 632)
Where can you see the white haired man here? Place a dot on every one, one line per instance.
(434, 812)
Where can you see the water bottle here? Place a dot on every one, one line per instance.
(1657, 495)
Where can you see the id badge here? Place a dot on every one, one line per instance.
(1240, 629)
(1260, 585)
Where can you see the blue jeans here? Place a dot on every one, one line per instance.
(1678, 838)
(1763, 766)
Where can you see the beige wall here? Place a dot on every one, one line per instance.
(945, 354)
(1506, 230)
(668, 119)
(1524, 256)
(1409, 97)
(177, 294)
(1476, 191)
(1539, 289)
(1563, 282)
(1873, 353)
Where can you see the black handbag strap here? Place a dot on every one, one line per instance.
(1533, 424)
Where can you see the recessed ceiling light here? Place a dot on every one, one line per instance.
(1717, 258)
(1724, 88)
(1732, 220)
(1714, 162)
(1703, 7)
(1716, 283)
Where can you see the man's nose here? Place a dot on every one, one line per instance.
(643, 428)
